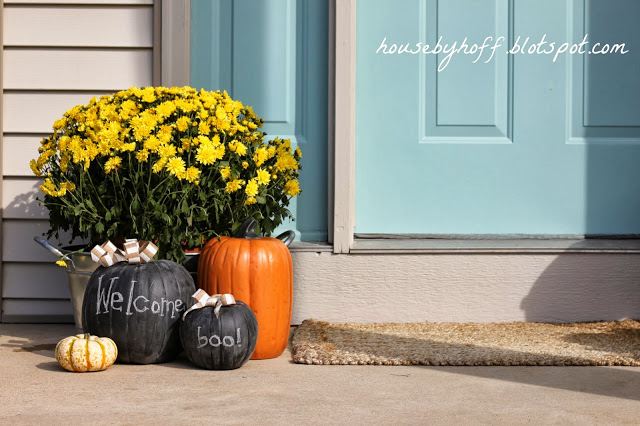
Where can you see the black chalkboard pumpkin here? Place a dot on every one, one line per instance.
(139, 307)
(222, 343)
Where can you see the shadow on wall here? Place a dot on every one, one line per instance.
(610, 119)
(601, 287)
(25, 205)
(598, 287)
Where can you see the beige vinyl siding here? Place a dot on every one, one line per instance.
(22, 281)
(77, 69)
(77, 26)
(17, 150)
(56, 54)
(37, 310)
(35, 112)
(18, 244)
(84, 2)
(19, 198)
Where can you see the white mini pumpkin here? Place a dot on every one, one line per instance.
(84, 352)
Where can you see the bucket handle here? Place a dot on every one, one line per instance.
(44, 243)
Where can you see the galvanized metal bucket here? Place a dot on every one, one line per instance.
(191, 265)
(80, 266)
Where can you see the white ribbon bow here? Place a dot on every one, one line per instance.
(134, 252)
(203, 299)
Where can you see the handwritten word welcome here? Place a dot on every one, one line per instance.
(108, 299)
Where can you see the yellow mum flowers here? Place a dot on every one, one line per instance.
(264, 177)
(208, 153)
(34, 168)
(182, 123)
(252, 188)
(192, 174)
(234, 185)
(238, 147)
(292, 188)
(174, 165)
(225, 173)
(260, 156)
(111, 164)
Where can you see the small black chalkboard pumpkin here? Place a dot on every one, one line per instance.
(139, 307)
(222, 343)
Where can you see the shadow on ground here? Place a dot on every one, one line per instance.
(38, 339)
(605, 381)
(598, 380)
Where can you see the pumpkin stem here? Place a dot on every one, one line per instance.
(247, 229)
(287, 237)
(87, 336)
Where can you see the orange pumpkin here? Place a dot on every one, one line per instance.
(258, 271)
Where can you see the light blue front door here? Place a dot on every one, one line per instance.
(518, 144)
(272, 55)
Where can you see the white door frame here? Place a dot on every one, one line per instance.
(175, 42)
(344, 172)
(1, 147)
(174, 64)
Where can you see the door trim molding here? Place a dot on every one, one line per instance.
(495, 246)
(157, 43)
(331, 111)
(1, 150)
(345, 126)
(174, 60)
(175, 44)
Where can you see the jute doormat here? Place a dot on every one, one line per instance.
(516, 343)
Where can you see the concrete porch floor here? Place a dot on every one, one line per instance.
(35, 390)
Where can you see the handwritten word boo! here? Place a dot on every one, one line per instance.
(215, 341)
(109, 299)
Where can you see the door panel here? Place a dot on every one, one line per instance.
(272, 55)
(611, 80)
(519, 144)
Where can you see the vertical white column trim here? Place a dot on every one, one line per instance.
(331, 74)
(345, 125)
(176, 42)
(1, 140)
(157, 43)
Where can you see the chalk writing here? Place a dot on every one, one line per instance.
(109, 299)
(215, 341)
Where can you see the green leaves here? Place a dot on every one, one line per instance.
(77, 210)
(135, 205)
(100, 227)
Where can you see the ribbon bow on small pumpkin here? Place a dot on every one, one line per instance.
(203, 299)
(134, 252)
